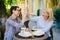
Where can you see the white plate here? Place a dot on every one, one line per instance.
(38, 32)
(25, 34)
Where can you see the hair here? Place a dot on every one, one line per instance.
(13, 8)
(49, 11)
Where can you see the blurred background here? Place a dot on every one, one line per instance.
(34, 8)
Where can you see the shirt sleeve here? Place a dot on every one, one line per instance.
(48, 26)
(14, 24)
(34, 19)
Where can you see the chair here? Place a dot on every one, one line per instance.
(51, 32)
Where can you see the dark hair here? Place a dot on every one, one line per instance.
(13, 8)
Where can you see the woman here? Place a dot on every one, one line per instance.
(44, 22)
(57, 17)
(13, 23)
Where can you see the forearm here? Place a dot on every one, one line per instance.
(14, 24)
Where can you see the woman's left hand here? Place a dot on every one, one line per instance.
(27, 29)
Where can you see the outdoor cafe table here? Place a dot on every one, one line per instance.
(35, 38)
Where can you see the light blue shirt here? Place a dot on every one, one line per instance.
(42, 24)
(12, 27)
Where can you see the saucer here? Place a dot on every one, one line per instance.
(38, 32)
(24, 34)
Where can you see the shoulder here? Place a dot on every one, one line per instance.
(40, 17)
(51, 21)
(10, 18)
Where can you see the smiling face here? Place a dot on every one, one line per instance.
(17, 12)
(45, 14)
(48, 14)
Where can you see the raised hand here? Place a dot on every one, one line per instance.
(26, 11)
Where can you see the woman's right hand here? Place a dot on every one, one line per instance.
(33, 28)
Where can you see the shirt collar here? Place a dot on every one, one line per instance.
(12, 17)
